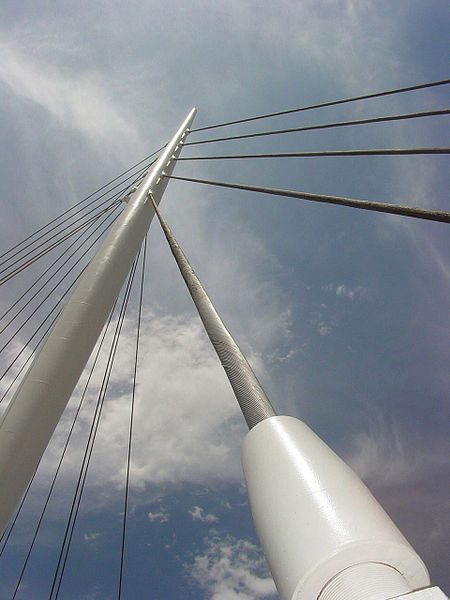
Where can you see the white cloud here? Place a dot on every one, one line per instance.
(232, 569)
(91, 537)
(345, 291)
(198, 514)
(80, 101)
(323, 329)
(162, 516)
(188, 426)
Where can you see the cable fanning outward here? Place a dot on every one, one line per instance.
(373, 152)
(7, 533)
(417, 115)
(61, 459)
(330, 103)
(130, 429)
(62, 278)
(395, 209)
(21, 266)
(69, 210)
(57, 303)
(60, 568)
(51, 242)
(42, 275)
(252, 399)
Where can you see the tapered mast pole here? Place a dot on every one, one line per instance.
(249, 393)
(34, 411)
(324, 535)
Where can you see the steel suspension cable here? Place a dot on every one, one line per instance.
(66, 444)
(82, 201)
(30, 316)
(141, 173)
(24, 347)
(44, 273)
(28, 290)
(251, 397)
(56, 305)
(372, 152)
(60, 568)
(54, 245)
(113, 197)
(430, 113)
(29, 357)
(47, 234)
(74, 251)
(325, 104)
(5, 536)
(407, 211)
(130, 431)
(54, 308)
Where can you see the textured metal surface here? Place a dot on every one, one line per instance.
(39, 402)
(251, 397)
(432, 593)
(366, 581)
(394, 209)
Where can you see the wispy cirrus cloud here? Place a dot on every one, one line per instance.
(77, 101)
(410, 477)
(385, 455)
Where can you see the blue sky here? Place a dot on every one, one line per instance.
(342, 313)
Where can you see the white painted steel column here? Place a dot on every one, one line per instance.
(324, 535)
(34, 411)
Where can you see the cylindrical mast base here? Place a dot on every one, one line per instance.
(315, 519)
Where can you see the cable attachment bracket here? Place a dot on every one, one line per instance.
(128, 195)
(149, 195)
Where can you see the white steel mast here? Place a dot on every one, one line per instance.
(324, 535)
(35, 409)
